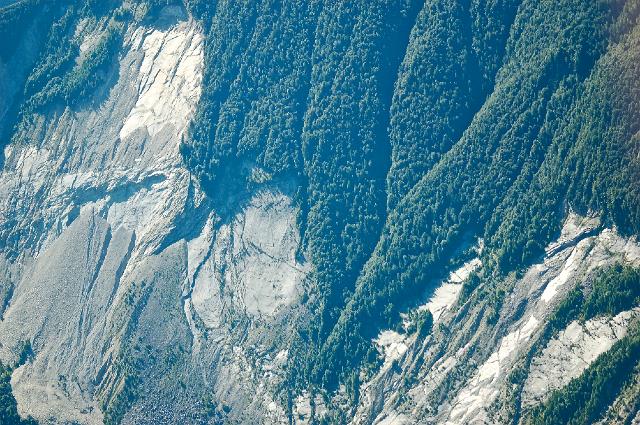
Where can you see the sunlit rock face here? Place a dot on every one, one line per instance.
(117, 256)
(574, 349)
(582, 248)
(119, 156)
(249, 264)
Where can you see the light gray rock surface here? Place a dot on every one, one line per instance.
(443, 382)
(571, 352)
(116, 258)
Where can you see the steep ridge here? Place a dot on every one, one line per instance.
(478, 367)
(378, 212)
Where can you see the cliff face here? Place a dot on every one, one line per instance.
(219, 213)
(122, 260)
(93, 196)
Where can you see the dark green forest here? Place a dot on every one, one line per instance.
(402, 153)
(494, 120)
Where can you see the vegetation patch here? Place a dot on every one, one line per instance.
(586, 398)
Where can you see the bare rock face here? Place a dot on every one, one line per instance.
(254, 261)
(117, 258)
(568, 355)
(466, 380)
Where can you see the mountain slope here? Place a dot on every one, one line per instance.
(291, 212)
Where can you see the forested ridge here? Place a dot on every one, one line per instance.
(408, 128)
(586, 398)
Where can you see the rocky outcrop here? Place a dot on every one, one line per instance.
(460, 383)
(124, 277)
(249, 266)
(568, 355)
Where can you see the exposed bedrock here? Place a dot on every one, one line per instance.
(121, 274)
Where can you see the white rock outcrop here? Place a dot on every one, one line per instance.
(582, 247)
(116, 248)
(447, 292)
(571, 352)
(251, 265)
